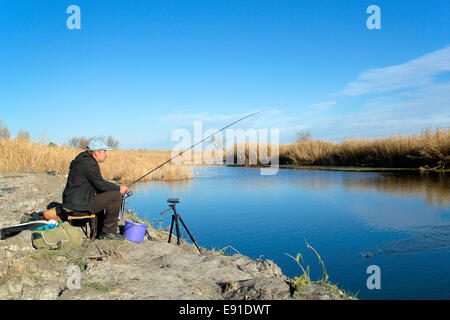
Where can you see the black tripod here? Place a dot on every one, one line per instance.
(175, 218)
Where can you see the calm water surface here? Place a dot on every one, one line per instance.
(403, 219)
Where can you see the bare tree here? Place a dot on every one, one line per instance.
(4, 131)
(83, 142)
(79, 142)
(113, 143)
(23, 135)
(303, 135)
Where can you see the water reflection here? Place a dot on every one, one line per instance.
(382, 201)
(389, 215)
(433, 188)
(145, 188)
(340, 213)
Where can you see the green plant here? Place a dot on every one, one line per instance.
(222, 251)
(305, 279)
(80, 263)
(98, 286)
(325, 275)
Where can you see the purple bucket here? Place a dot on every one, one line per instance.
(134, 231)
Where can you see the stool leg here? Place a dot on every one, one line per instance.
(93, 229)
(85, 230)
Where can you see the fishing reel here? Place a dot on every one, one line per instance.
(122, 204)
(127, 194)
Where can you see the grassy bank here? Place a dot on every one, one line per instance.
(428, 149)
(19, 155)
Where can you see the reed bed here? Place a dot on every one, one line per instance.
(245, 153)
(253, 153)
(19, 155)
(426, 149)
(128, 165)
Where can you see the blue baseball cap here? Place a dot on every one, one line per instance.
(97, 144)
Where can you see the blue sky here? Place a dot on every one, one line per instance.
(138, 70)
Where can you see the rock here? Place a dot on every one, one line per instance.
(4, 292)
(15, 287)
(256, 289)
(49, 293)
(61, 259)
(18, 243)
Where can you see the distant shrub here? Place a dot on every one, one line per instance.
(23, 135)
(83, 142)
(4, 131)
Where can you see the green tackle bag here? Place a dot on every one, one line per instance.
(64, 236)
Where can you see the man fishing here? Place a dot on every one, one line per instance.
(87, 191)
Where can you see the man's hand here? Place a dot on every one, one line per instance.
(123, 189)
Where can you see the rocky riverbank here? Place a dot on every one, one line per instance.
(153, 269)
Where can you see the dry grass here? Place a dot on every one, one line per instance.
(252, 153)
(128, 165)
(428, 148)
(18, 155)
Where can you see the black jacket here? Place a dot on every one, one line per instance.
(84, 181)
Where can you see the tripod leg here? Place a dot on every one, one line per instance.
(190, 235)
(178, 229)
(171, 228)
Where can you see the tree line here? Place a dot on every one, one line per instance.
(74, 142)
(83, 142)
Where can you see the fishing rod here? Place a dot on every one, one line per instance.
(179, 154)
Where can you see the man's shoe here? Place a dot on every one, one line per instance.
(111, 236)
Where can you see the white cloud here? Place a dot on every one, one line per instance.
(323, 106)
(414, 73)
(422, 103)
(405, 98)
(405, 112)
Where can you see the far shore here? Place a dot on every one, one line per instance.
(423, 152)
(323, 168)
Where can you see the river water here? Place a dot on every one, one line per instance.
(401, 221)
